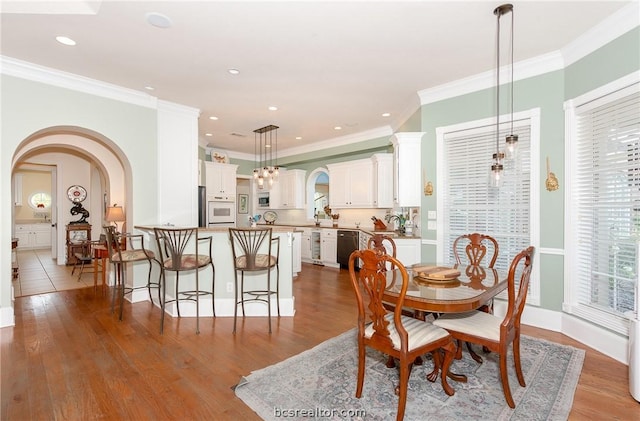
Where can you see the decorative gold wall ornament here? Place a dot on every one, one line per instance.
(552, 181)
(428, 186)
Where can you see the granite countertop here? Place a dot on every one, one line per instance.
(371, 231)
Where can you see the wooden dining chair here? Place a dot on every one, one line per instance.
(497, 333)
(476, 247)
(392, 333)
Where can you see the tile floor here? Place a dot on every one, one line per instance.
(39, 273)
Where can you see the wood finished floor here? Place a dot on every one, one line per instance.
(69, 358)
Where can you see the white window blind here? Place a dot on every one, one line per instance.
(606, 201)
(470, 204)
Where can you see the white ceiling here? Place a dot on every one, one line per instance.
(323, 64)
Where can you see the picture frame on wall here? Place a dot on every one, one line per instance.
(243, 203)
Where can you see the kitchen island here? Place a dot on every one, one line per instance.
(224, 276)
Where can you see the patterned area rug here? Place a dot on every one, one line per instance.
(321, 383)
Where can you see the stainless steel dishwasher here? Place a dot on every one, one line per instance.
(347, 243)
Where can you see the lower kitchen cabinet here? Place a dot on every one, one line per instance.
(329, 247)
(32, 236)
(319, 246)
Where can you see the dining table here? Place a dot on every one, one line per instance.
(439, 288)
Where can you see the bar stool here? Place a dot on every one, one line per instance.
(253, 252)
(119, 256)
(174, 245)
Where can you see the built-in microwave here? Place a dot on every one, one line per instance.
(221, 213)
(263, 200)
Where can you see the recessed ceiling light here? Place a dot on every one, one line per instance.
(234, 71)
(298, 137)
(337, 128)
(158, 20)
(213, 117)
(386, 114)
(208, 134)
(273, 108)
(65, 40)
(149, 88)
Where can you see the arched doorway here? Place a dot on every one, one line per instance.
(317, 193)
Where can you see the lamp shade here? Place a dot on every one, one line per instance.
(114, 214)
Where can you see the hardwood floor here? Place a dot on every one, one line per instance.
(69, 358)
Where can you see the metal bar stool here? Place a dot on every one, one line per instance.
(253, 251)
(175, 246)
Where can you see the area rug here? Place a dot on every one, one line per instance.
(320, 383)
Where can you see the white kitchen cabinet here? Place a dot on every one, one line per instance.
(305, 245)
(296, 253)
(351, 184)
(329, 247)
(382, 180)
(407, 180)
(32, 236)
(408, 250)
(221, 180)
(288, 191)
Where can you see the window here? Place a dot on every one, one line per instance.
(40, 201)
(604, 186)
(469, 204)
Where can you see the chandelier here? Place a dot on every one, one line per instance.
(265, 147)
(511, 141)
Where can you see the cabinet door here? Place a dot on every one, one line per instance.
(42, 236)
(228, 181)
(383, 180)
(221, 180)
(22, 234)
(338, 186)
(360, 184)
(329, 248)
(305, 251)
(406, 167)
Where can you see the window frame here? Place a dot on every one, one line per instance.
(571, 304)
(533, 115)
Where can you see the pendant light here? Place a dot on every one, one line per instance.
(265, 146)
(497, 168)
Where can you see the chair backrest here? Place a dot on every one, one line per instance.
(113, 242)
(384, 244)
(249, 246)
(476, 248)
(369, 284)
(520, 269)
(173, 244)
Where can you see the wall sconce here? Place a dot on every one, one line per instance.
(115, 214)
(552, 181)
(428, 185)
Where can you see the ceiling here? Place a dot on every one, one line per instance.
(322, 64)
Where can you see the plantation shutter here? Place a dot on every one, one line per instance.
(606, 190)
(472, 205)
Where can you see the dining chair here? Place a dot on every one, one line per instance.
(255, 250)
(121, 253)
(497, 333)
(392, 333)
(180, 250)
(476, 247)
(84, 254)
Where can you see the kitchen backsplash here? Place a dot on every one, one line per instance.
(348, 217)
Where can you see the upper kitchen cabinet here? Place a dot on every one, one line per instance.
(351, 184)
(221, 180)
(288, 191)
(406, 169)
(382, 180)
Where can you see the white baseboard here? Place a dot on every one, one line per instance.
(7, 317)
(600, 339)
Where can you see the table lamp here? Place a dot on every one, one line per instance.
(115, 214)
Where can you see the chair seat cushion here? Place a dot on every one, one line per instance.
(420, 333)
(476, 323)
(188, 262)
(133, 255)
(263, 261)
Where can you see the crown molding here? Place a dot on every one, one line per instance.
(29, 71)
(606, 31)
(324, 144)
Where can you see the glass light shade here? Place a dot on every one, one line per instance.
(260, 182)
(512, 146)
(270, 181)
(256, 172)
(265, 172)
(276, 171)
(496, 175)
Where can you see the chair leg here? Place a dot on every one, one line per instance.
(197, 303)
(149, 283)
(213, 289)
(505, 380)
(516, 360)
(449, 353)
(177, 297)
(405, 369)
(235, 301)
(278, 288)
(115, 286)
(269, 298)
(163, 285)
(122, 284)
(361, 362)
